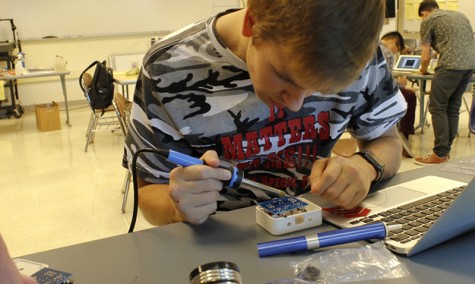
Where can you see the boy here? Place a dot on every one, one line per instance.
(270, 89)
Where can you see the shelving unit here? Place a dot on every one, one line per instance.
(6, 55)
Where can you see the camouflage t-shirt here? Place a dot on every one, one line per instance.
(451, 35)
(194, 95)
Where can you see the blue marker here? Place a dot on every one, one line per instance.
(377, 230)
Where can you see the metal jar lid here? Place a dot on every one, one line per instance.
(221, 272)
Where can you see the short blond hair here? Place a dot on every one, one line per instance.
(330, 40)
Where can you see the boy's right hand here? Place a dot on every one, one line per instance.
(195, 189)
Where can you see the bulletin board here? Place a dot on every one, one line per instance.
(58, 18)
(412, 21)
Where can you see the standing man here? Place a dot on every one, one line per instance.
(450, 34)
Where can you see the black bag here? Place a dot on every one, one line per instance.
(101, 92)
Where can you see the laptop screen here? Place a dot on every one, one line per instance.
(408, 63)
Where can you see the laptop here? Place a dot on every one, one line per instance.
(408, 64)
(430, 209)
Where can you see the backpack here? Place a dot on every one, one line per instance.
(101, 91)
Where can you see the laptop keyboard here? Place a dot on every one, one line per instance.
(415, 217)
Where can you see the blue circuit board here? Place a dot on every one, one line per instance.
(282, 205)
(51, 276)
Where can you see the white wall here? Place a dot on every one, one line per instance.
(390, 26)
(413, 25)
(79, 52)
(105, 17)
(108, 35)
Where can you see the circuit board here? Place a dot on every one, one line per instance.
(279, 206)
(52, 276)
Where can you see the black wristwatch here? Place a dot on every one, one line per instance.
(378, 166)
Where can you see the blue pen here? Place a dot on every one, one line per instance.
(377, 230)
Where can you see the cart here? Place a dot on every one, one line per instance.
(10, 107)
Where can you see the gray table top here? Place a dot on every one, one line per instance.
(169, 253)
(35, 74)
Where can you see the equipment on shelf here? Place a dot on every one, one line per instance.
(7, 48)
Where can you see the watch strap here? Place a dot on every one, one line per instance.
(379, 167)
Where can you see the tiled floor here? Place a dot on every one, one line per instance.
(53, 194)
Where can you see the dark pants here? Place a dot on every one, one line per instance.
(406, 125)
(446, 93)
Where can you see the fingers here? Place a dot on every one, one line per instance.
(195, 189)
(202, 172)
(344, 195)
(211, 159)
(8, 271)
(324, 174)
(199, 196)
(197, 214)
(337, 180)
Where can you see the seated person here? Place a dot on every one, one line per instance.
(395, 43)
(270, 89)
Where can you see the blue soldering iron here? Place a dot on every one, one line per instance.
(237, 176)
(236, 180)
(377, 230)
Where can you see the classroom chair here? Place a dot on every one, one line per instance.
(124, 106)
(100, 120)
(471, 117)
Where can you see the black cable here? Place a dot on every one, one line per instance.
(182, 159)
(135, 183)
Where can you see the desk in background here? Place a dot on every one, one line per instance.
(125, 81)
(61, 74)
(422, 81)
(168, 253)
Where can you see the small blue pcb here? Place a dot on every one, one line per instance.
(281, 205)
(51, 276)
